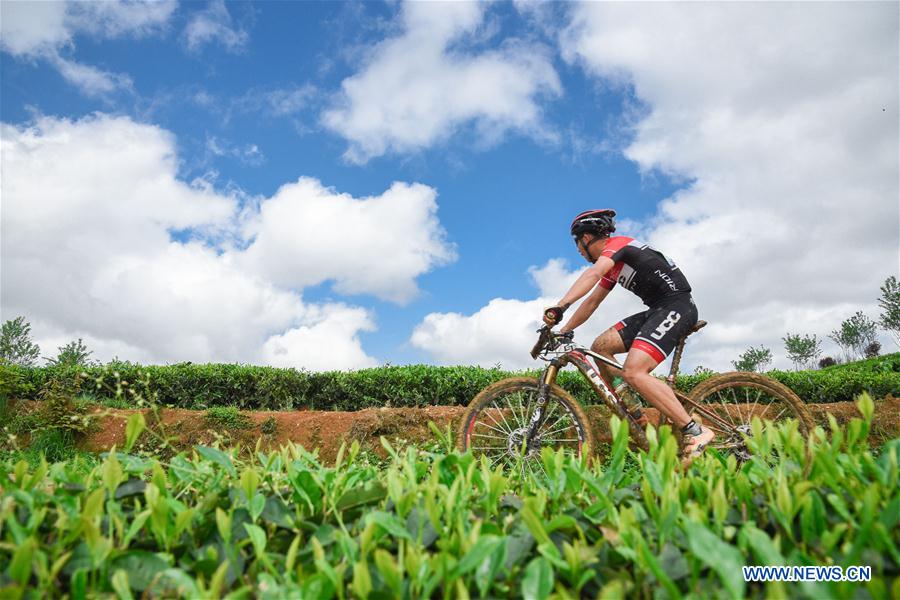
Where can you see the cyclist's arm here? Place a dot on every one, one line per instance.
(586, 282)
(586, 309)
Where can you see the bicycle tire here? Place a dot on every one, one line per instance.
(716, 389)
(490, 395)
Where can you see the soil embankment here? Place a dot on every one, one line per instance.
(326, 430)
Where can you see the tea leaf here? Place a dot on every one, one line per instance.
(133, 429)
(721, 557)
(538, 581)
(218, 457)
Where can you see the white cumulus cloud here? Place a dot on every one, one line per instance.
(307, 233)
(45, 30)
(418, 88)
(503, 331)
(91, 80)
(101, 240)
(214, 25)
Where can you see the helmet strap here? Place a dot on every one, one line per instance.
(587, 247)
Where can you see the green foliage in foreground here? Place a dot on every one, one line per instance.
(432, 523)
(247, 387)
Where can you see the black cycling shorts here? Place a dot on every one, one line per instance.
(658, 329)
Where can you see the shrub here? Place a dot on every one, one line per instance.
(827, 362)
(266, 388)
(227, 417)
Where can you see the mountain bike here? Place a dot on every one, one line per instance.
(514, 418)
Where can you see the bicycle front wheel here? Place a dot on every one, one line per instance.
(496, 422)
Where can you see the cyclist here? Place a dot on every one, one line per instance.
(648, 336)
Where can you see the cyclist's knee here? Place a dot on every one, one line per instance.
(630, 373)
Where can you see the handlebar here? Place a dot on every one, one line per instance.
(542, 341)
(547, 337)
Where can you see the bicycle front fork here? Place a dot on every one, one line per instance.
(548, 378)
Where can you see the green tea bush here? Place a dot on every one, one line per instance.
(248, 387)
(437, 524)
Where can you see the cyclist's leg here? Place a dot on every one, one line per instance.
(661, 331)
(616, 340)
(638, 366)
(607, 344)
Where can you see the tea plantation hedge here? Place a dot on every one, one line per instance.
(266, 388)
(432, 523)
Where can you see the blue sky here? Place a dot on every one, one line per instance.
(603, 106)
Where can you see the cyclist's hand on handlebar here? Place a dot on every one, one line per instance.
(565, 336)
(558, 339)
(553, 315)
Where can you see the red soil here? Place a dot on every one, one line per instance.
(326, 430)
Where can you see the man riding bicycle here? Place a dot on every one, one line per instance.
(648, 336)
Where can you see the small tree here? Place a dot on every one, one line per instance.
(890, 305)
(873, 349)
(73, 353)
(854, 334)
(16, 347)
(802, 350)
(753, 359)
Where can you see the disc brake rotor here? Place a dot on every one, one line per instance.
(514, 443)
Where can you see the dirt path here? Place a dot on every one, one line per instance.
(326, 430)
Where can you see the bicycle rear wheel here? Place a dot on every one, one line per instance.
(495, 423)
(728, 402)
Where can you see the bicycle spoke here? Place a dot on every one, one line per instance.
(504, 433)
(528, 409)
(512, 408)
(779, 414)
(554, 407)
(726, 411)
(546, 433)
(500, 410)
(755, 404)
(563, 416)
(569, 424)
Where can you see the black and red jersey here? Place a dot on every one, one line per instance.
(643, 270)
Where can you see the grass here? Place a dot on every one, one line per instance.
(269, 426)
(227, 417)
